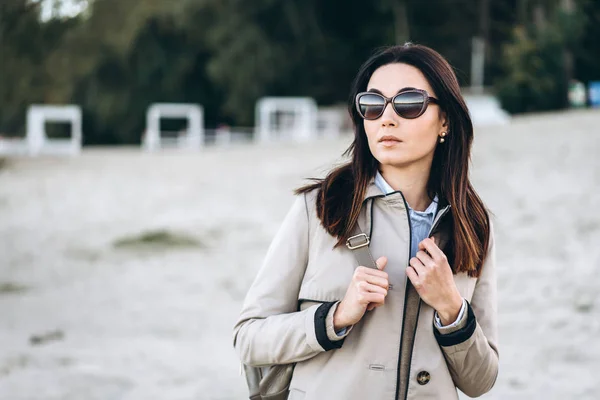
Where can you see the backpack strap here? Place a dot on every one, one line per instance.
(359, 243)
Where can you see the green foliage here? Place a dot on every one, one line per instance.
(537, 64)
(25, 44)
(532, 69)
(587, 50)
(125, 56)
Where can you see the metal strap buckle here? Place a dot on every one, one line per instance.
(358, 246)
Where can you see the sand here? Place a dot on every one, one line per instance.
(84, 318)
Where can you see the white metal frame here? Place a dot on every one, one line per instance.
(303, 110)
(193, 139)
(37, 139)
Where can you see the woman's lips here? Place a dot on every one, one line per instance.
(389, 140)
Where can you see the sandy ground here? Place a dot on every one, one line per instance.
(82, 318)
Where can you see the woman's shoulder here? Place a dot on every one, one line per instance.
(305, 202)
(309, 194)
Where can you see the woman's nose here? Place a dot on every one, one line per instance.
(388, 118)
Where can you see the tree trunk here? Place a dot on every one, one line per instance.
(484, 33)
(567, 6)
(540, 17)
(401, 27)
(522, 14)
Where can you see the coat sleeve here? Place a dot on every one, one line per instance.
(472, 351)
(270, 329)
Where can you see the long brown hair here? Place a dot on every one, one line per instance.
(341, 193)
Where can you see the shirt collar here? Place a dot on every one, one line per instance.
(387, 189)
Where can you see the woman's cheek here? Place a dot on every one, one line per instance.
(371, 138)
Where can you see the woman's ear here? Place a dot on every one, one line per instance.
(444, 121)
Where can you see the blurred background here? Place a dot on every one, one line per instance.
(149, 149)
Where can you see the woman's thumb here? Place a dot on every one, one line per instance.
(381, 263)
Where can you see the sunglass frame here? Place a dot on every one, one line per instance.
(387, 100)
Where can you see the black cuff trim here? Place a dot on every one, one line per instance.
(460, 336)
(321, 328)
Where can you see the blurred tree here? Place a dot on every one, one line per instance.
(504, 18)
(126, 56)
(25, 44)
(314, 48)
(538, 62)
(399, 11)
(587, 51)
(285, 47)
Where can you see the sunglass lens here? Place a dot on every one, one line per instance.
(409, 105)
(371, 106)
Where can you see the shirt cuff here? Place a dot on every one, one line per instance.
(458, 340)
(460, 322)
(331, 333)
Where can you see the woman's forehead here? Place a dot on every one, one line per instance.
(389, 79)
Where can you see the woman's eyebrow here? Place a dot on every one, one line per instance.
(373, 90)
(406, 89)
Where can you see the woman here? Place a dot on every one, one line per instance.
(423, 322)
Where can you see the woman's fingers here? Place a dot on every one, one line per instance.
(371, 285)
(367, 298)
(366, 287)
(414, 278)
(377, 280)
(425, 259)
(431, 247)
(368, 293)
(377, 289)
(372, 276)
(372, 271)
(373, 306)
(417, 266)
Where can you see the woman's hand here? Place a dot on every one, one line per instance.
(368, 290)
(431, 276)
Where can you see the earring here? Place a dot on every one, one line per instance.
(442, 140)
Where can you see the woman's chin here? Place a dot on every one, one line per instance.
(393, 160)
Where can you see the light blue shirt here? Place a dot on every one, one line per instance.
(420, 221)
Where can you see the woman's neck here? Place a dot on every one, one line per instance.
(411, 181)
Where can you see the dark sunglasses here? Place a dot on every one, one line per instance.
(409, 104)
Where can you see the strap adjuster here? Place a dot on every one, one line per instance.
(363, 237)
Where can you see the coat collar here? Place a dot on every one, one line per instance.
(373, 192)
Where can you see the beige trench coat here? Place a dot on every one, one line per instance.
(287, 316)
